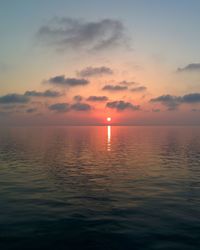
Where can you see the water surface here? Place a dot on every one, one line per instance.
(100, 188)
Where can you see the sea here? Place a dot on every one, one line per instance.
(100, 187)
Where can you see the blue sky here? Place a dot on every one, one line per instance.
(156, 26)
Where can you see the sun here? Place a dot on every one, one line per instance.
(109, 119)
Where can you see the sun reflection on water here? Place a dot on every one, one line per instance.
(108, 138)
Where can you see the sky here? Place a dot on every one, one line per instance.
(79, 62)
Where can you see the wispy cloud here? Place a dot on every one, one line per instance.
(66, 107)
(47, 93)
(192, 67)
(139, 89)
(113, 88)
(121, 106)
(70, 33)
(92, 71)
(61, 80)
(127, 83)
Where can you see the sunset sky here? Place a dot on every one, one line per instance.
(79, 62)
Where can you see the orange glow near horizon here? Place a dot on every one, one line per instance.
(108, 119)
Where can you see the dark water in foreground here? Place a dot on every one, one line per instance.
(100, 188)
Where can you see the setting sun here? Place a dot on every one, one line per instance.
(94, 135)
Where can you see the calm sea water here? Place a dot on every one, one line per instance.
(100, 188)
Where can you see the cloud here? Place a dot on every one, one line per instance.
(172, 102)
(70, 33)
(25, 98)
(31, 110)
(67, 82)
(139, 89)
(114, 87)
(80, 107)
(190, 68)
(91, 71)
(14, 98)
(127, 83)
(121, 105)
(78, 98)
(191, 98)
(59, 107)
(97, 98)
(47, 93)
(65, 107)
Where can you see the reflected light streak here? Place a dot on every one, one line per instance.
(108, 138)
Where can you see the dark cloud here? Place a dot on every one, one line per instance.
(139, 89)
(81, 107)
(14, 98)
(191, 98)
(127, 83)
(114, 87)
(172, 102)
(67, 82)
(121, 105)
(25, 98)
(59, 107)
(97, 98)
(190, 68)
(31, 110)
(78, 98)
(65, 107)
(71, 33)
(47, 93)
(98, 71)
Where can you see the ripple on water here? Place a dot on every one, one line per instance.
(100, 188)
